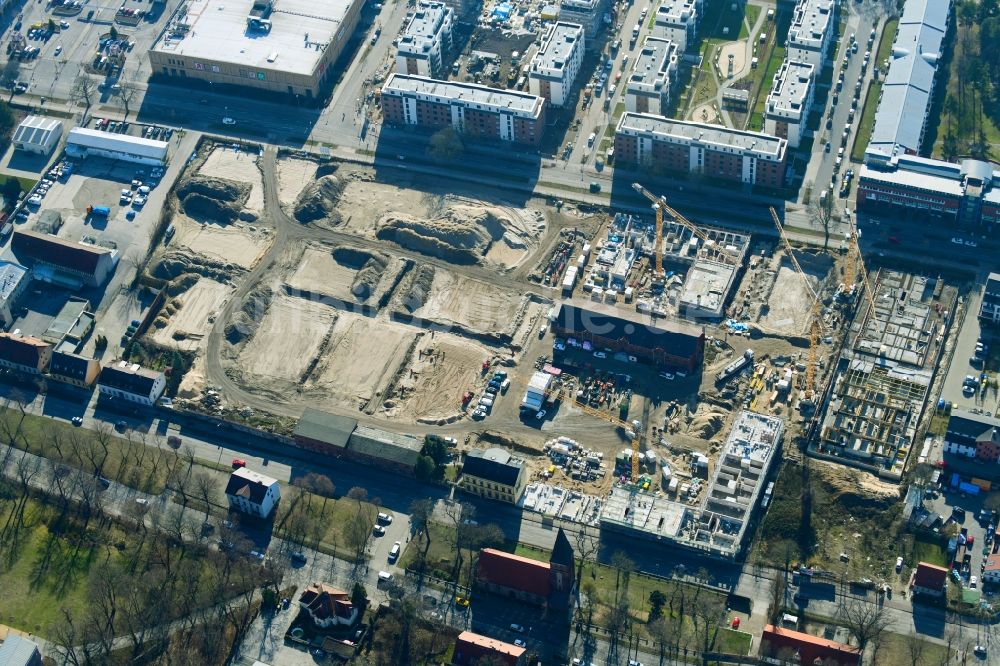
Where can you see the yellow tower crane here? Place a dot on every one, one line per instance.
(635, 428)
(814, 319)
(659, 278)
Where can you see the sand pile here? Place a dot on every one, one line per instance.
(462, 235)
(174, 263)
(318, 201)
(213, 199)
(707, 424)
(419, 288)
(250, 315)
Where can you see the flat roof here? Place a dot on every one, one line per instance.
(651, 71)
(470, 94)
(254, 477)
(136, 145)
(706, 285)
(790, 92)
(424, 29)
(912, 179)
(719, 138)
(492, 644)
(673, 12)
(301, 30)
(810, 24)
(11, 275)
(558, 46)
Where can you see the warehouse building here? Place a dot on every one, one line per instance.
(493, 474)
(908, 86)
(426, 41)
(554, 68)
(84, 142)
(64, 262)
(37, 134)
(966, 194)
(342, 437)
(812, 30)
(588, 14)
(709, 151)
(288, 48)
(786, 111)
(658, 341)
(13, 282)
(677, 21)
(654, 74)
(474, 110)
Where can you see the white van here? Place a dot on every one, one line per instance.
(590, 139)
(394, 552)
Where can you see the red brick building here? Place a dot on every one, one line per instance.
(709, 151)
(549, 584)
(479, 111)
(806, 649)
(470, 648)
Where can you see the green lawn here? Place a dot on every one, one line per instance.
(867, 123)
(327, 517)
(45, 573)
(897, 650)
(773, 63)
(885, 43)
(731, 641)
(753, 11)
(925, 550)
(133, 463)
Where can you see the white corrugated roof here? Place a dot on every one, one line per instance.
(135, 145)
(36, 130)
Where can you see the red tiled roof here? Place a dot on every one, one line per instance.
(514, 572)
(21, 350)
(470, 647)
(808, 647)
(930, 576)
(324, 601)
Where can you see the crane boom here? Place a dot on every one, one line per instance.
(661, 206)
(636, 431)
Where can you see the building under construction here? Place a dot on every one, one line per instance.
(716, 521)
(882, 380)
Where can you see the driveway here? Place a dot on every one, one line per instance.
(960, 368)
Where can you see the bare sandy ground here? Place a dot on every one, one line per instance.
(362, 202)
(362, 356)
(189, 325)
(319, 272)
(234, 244)
(293, 175)
(444, 366)
(476, 305)
(287, 340)
(239, 166)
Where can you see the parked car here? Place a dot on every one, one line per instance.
(394, 552)
(384, 518)
(239, 462)
(77, 421)
(384, 576)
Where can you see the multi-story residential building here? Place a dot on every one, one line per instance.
(252, 493)
(973, 436)
(589, 14)
(908, 86)
(812, 30)
(989, 311)
(554, 68)
(24, 354)
(677, 20)
(653, 76)
(494, 474)
(474, 110)
(427, 40)
(74, 369)
(786, 111)
(710, 151)
(930, 580)
(14, 280)
(966, 194)
(132, 382)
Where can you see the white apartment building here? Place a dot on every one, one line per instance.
(554, 68)
(653, 76)
(813, 28)
(252, 493)
(677, 20)
(426, 41)
(787, 109)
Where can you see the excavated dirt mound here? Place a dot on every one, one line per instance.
(707, 424)
(419, 288)
(462, 235)
(249, 316)
(318, 201)
(213, 199)
(174, 263)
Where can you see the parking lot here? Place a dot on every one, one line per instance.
(954, 389)
(71, 48)
(945, 505)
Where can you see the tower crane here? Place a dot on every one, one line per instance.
(814, 319)
(635, 428)
(659, 279)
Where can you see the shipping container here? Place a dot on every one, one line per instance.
(983, 484)
(969, 488)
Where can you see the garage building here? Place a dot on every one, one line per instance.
(84, 142)
(38, 134)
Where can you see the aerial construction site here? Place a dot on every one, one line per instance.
(622, 354)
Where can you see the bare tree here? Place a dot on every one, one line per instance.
(821, 212)
(84, 92)
(915, 649)
(586, 550)
(205, 486)
(624, 566)
(420, 520)
(126, 92)
(867, 622)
